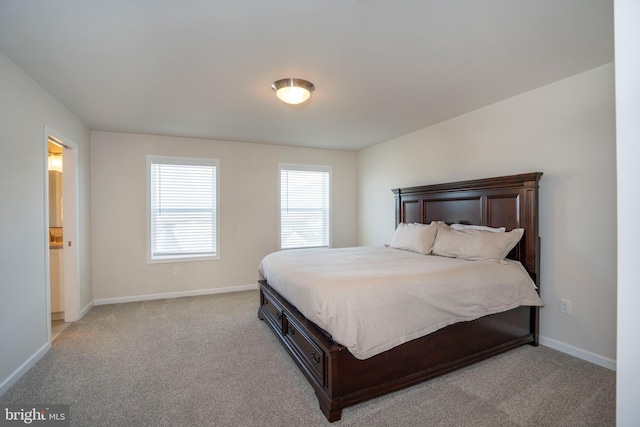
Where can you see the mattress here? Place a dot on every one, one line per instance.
(371, 299)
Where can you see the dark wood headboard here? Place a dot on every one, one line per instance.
(508, 201)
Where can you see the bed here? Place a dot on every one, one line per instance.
(340, 379)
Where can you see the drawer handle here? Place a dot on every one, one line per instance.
(292, 331)
(316, 358)
(279, 316)
(266, 301)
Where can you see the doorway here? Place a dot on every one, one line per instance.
(55, 172)
(61, 224)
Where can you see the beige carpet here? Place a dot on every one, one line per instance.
(209, 361)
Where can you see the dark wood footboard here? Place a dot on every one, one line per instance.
(340, 380)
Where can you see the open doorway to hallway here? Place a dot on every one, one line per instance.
(62, 290)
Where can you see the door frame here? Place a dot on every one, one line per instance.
(71, 272)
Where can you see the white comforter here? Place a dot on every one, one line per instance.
(371, 299)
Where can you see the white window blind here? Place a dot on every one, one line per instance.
(304, 206)
(183, 208)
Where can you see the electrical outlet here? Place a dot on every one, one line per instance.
(176, 269)
(565, 306)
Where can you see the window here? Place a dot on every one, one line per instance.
(304, 206)
(183, 208)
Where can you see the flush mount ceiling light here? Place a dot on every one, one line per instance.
(293, 91)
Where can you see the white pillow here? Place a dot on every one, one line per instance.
(475, 245)
(415, 237)
(477, 227)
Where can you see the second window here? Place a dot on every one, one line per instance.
(304, 206)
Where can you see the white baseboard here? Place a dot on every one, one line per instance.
(605, 362)
(28, 364)
(118, 300)
(86, 309)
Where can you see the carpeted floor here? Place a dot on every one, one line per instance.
(209, 361)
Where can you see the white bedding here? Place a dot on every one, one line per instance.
(371, 299)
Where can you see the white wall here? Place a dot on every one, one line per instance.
(565, 130)
(248, 211)
(627, 36)
(25, 110)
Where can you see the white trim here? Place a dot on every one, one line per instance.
(305, 167)
(86, 309)
(47, 245)
(71, 223)
(149, 297)
(71, 231)
(599, 360)
(177, 258)
(24, 368)
(154, 159)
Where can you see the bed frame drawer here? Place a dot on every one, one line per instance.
(311, 356)
(273, 312)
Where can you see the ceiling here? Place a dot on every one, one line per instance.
(382, 68)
